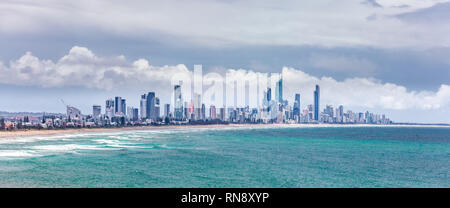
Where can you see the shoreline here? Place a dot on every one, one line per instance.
(52, 132)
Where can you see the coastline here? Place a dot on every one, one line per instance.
(52, 132)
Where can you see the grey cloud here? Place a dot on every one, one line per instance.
(372, 3)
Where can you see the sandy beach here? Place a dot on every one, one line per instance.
(44, 132)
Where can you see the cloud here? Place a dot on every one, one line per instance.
(229, 23)
(410, 4)
(364, 92)
(82, 68)
(373, 3)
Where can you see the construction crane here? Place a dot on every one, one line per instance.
(63, 102)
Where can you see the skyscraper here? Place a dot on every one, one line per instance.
(143, 106)
(203, 113)
(157, 109)
(96, 111)
(296, 110)
(269, 94)
(279, 90)
(212, 112)
(135, 114)
(150, 107)
(123, 107)
(178, 102)
(197, 104)
(222, 114)
(117, 105)
(316, 103)
(109, 108)
(167, 110)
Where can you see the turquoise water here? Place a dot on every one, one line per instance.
(232, 157)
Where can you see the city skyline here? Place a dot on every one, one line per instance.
(274, 109)
(384, 56)
(274, 94)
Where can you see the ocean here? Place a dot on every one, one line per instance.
(232, 157)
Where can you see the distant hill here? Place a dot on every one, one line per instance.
(33, 114)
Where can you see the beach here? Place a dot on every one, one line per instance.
(50, 132)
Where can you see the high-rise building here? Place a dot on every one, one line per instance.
(135, 114)
(109, 108)
(186, 110)
(310, 112)
(341, 114)
(96, 111)
(197, 106)
(157, 109)
(212, 112)
(329, 111)
(316, 103)
(150, 106)
(279, 91)
(178, 102)
(117, 105)
(123, 107)
(222, 114)
(269, 94)
(296, 110)
(130, 112)
(203, 114)
(143, 106)
(167, 110)
(73, 112)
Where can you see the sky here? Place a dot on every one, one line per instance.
(387, 56)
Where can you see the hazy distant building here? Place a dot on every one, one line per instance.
(269, 94)
(73, 112)
(167, 110)
(96, 111)
(203, 113)
(296, 110)
(212, 112)
(123, 107)
(143, 106)
(178, 102)
(279, 91)
(117, 105)
(222, 114)
(130, 111)
(109, 108)
(157, 109)
(135, 114)
(316, 103)
(150, 107)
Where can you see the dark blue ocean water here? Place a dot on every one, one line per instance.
(232, 157)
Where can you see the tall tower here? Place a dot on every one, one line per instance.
(279, 90)
(269, 94)
(178, 102)
(123, 107)
(151, 101)
(109, 108)
(117, 105)
(297, 105)
(143, 106)
(316, 103)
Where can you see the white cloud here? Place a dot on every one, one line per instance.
(409, 4)
(364, 92)
(82, 68)
(225, 23)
